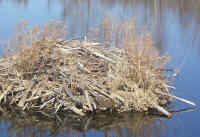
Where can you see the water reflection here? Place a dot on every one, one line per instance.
(169, 20)
(18, 2)
(19, 124)
(177, 18)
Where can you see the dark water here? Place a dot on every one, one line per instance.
(175, 25)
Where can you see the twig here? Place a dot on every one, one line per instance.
(49, 101)
(58, 107)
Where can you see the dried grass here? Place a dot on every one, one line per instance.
(139, 70)
(48, 73)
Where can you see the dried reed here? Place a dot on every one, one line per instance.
(47, 73)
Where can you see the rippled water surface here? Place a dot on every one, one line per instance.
(175, 26)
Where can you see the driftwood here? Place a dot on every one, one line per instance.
(183, 100)
(162, 110)
(76, 111)
(179, 99)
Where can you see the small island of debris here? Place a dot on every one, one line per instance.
(43, 72)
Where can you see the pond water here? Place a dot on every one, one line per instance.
(175, 26)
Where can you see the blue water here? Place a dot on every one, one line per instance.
(175, 26)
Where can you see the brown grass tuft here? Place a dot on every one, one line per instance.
(33, 48)
(139, 70)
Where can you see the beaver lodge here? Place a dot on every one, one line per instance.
(43, 72)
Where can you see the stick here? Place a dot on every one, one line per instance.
(59, 106)
(162, 110)
(180, 99)
(69, 50)
(85, 43)
(76, 111)
(183, 100)
(118, 97)
(102, 93)
(99, 55)
(88, 100)
(47, 102)
(36, 97)
(94, 106)
(4, 94)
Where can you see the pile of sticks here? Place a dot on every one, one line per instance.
(82, 77)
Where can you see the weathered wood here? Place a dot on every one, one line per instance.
(118, 97)
(88, 100)
(2, 95)
(37, 97)
(76, 111)
(47, 102)
(102, 92)
(162, 110)
(98, 55)
(178, 98)
(183, 100)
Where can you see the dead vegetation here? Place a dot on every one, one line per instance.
(44, 72)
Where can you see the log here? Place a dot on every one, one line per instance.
(162, 110)
(76, 111)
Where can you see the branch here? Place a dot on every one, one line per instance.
(162, 110)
